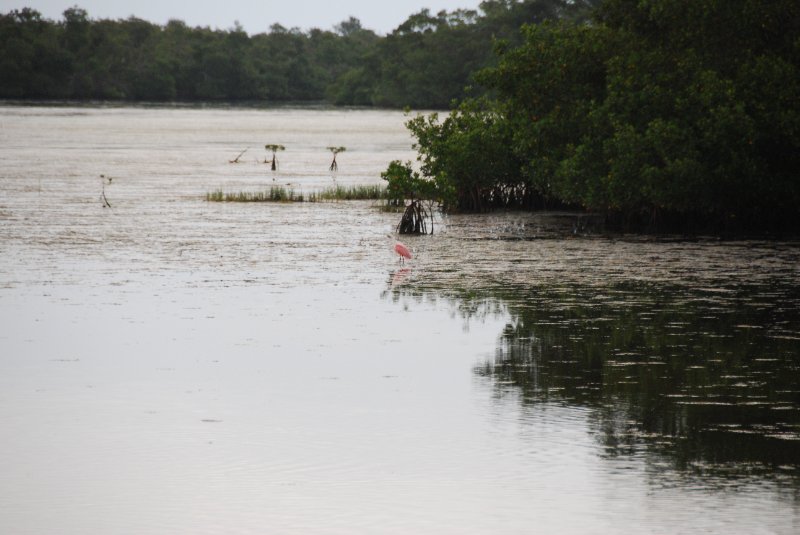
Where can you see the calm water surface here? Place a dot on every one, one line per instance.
(170, 365)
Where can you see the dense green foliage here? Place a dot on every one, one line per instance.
(426, 62)
(659, 111)
(80, 58)
(470, 155)
(429, 59)
(406, 184)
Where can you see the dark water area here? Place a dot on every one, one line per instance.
(702, 380)
(695, 370)
(690, 342)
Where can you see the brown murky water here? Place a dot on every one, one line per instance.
(172, 365)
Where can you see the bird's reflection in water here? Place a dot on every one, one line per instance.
(400, 277)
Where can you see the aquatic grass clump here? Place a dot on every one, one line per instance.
(353, 193)
(274, 194)
(215, 196)
(281, 194)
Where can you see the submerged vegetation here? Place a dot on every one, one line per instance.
(282, 194)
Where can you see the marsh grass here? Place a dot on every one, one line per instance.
(273, 194)
(353, 193)
(281, 194)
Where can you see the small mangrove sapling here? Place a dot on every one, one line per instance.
(335, 150)
(103, 181)
(274, 149)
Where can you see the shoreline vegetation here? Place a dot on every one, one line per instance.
(656, 115)
(289, 195)
(665, 116)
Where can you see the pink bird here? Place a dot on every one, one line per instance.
(403, 251)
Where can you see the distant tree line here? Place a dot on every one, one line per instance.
(132, 59)
(679, 114)
(426, 62)
(429, 60)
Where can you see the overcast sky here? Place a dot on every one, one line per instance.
(255, 16)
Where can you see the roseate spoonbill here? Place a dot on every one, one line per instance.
(403, 251)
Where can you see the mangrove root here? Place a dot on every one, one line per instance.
(413, 220)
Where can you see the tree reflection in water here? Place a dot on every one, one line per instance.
(700, 380)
